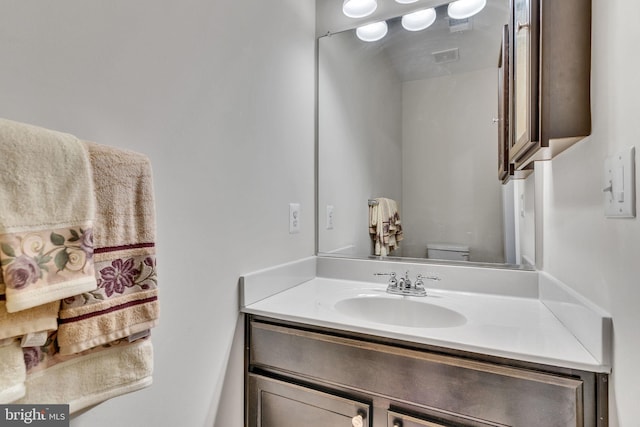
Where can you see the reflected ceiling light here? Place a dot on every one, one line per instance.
(372, 32)
(419, 20)
(462, 9)
(359, 8)
(406, 1)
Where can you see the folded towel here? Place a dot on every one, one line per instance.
(46, 216)
(36, 319)
(385, 227)
(86, 379)
(126, 301)
(12, 372)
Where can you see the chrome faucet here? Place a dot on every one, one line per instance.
(405, 282)
(404, 286)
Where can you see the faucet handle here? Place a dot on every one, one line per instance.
(392, 277)
(392, 274)
(420, 278)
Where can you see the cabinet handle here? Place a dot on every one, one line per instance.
(522, 25)
(357, 421)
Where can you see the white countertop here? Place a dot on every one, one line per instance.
(505, 326)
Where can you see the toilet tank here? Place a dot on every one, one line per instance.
(448, 251)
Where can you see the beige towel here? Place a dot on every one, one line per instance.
(385, 227)
(12, 372)
(126, 301)
(86, 379)
(36, 319)
(46, 215)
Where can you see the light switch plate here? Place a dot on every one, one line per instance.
(619, 185)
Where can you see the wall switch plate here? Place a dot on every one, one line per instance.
(329, 221)
(619, 185)
(294, 218)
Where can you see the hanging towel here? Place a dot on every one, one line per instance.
(86, 379)
(12, 371)
(46, 216)
(36, 319)
(126, 301)
(385, 227)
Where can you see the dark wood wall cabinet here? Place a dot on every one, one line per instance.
(303, 375)
(545, 78)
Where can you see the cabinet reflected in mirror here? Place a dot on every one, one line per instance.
(412, 117)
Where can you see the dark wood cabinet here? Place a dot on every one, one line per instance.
(306, 375)
(550, 53)
(544, 79)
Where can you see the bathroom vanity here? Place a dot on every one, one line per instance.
(326, 352)
(303, 375)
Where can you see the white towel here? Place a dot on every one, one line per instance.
(12, 372)
(86, 379)
(46, 215)
(385, 227)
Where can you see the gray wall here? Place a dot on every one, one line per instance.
(220, 95)
(595, 255)
(450, 188)
(360, 139)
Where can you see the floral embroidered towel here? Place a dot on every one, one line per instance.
(46, 215)
(88, 378)
(126, 300)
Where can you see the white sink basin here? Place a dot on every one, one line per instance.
(400, 312)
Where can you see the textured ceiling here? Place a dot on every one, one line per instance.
(411, 53)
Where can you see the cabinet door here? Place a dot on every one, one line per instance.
(396, 420)
(274, 403)
(525, 77)
(399, 419)
(503, 107)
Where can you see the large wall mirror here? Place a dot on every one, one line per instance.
(410, 117)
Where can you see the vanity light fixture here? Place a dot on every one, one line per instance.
(359, 8)
(462, 9)
(372, 32)
(419, 20)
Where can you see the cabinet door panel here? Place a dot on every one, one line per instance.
(280, 404)
(399, 419)
(503, 107)
(525, 78)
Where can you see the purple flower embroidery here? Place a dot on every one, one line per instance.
(22, 272)
(86, 242)
(120, 275)
(31, 356)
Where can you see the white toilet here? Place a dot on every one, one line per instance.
(448, 251)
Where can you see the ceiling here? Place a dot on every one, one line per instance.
(411, 53)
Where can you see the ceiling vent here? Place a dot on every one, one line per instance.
(443, 56)
(457, 25)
